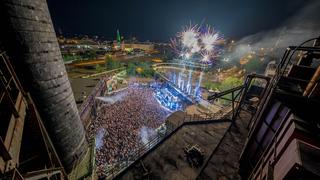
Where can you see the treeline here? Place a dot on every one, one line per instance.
(134, 67)
(85, 55)
(226, 84)
(143, 69)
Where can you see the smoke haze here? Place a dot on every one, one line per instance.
(146, 134)
(304, 25)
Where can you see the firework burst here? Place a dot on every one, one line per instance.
(189, 37)
(197, 41)
(206, 57)
(209, 39)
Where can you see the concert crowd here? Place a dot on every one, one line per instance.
(118, 126)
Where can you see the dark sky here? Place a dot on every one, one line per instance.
(159, 20)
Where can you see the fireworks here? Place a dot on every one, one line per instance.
(205, 57)
(190, 38)
(209, 40)
(197, 41)
(187, 55)
(197, 44)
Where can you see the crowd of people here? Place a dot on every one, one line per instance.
(117, 127)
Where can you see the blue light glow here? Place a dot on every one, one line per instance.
(168, 99)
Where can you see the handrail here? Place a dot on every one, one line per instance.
(130, 159)
(280, 71)
(235, 108)
(281, 68)
(174, 64)
(121, 167)
(87, 102)
(218, 95)
(270, 145)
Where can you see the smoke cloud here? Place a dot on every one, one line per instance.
(304, 25)
(99, 138)
(146, 134)
(112, 99)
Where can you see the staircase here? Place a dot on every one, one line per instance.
(294, 93)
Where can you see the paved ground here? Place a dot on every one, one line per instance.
(224, 162)
(82, 87)
(168, 161)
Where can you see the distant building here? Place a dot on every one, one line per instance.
(133, 46)
(142, 46)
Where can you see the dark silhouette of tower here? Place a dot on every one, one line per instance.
(29, 38)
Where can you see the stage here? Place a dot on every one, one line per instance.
(170, 97)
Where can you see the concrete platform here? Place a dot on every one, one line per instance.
(167, 161)
(221, 148)
(224, 161)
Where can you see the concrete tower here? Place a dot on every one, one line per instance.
(29, 38)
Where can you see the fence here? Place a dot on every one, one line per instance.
(87, 105)
(99, 90)
(114, 170)
(228, 112)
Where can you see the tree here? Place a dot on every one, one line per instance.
(110, 63)
(140, 68)
(254, 65)
(89, 54)
(131, 69)
(229, 82)
(226, 84)
(211, 85)
(99, 68)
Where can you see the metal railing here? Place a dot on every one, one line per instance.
(186, 65)
(119, 167)
(9, 86)
(229, 111)
(12, 90)
(282, 70)
(88, 102)
(226, 114)
(98, 90)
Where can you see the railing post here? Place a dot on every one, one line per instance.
(233, 113)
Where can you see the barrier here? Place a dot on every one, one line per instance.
(122, 165)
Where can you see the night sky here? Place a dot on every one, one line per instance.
(159, 20)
